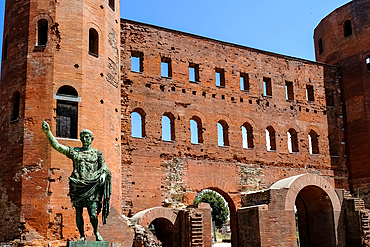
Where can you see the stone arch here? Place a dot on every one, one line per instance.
(199, 114)
(42, 16)
(296, 183)
(318, 208)
(314, 128)
(162, 219)
(247, 120)
(145, 217)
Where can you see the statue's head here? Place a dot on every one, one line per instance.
(86, 137)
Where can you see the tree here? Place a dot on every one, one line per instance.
(220, 211)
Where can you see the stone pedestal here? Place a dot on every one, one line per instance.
(88, 244)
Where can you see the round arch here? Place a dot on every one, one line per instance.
(296, 183)
(145, 217)
(313, 202)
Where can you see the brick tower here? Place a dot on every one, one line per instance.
(342, 39)
(61, 63)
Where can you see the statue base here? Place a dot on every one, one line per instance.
(88, 244)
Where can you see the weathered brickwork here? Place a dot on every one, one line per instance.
(155, 180)
(348, 48)
(230, 170)
(34, 178)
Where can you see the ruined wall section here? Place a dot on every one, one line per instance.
(341, 39)
(230, 169)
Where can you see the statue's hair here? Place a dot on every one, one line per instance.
(86, 131)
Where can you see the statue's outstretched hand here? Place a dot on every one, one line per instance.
(45, 126)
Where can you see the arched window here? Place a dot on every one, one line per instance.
(270, 139)
(111, 4)
(168, 127)
(138, 123)
(292, 141)
(313, 139)
(15, 106)
(247, 134)
(196, 130)
(67, 112)
(93, 42)
(223, 133)
(42, 32)
(5, 49)
(347, 28)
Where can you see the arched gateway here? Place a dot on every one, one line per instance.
(269, 217)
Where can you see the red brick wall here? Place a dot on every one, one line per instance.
(156, 170)
(350, 54)
(231, 169)
(11, 133)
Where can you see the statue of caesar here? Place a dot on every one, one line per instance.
(90, 181)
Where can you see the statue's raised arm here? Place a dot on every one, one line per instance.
(90, 181)
(53, 142)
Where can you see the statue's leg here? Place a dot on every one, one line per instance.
(94, 222)
(80, 222)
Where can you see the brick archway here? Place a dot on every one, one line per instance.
(296, 183)
(144, 218)
(317, 204)
(232, 211)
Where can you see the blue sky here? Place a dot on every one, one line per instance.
(280, 26)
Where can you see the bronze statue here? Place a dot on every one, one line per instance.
(90, 181)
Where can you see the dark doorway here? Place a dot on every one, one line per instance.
(315, 218)
(163, 230)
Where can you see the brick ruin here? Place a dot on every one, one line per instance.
(176, 113)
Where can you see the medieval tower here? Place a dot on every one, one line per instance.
(342, 39)
(60, 62)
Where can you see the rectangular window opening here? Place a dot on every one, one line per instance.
(289, 90)
(220, 77)
(329, 97)
(310, 93)
(267, 87)
(368, 64)
(166, 69)
(193, 72)
(136, 61)
(244, 82)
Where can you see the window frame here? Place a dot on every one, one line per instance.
(289, 91)
(140, 56)
(271, 139)
(222, 80)
(267, 87)
(347, 29)
(225, 133)
(142, 115)
(42, 33)
(168, 61)
(245, 83)
(93, 42)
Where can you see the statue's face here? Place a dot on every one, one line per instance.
(86, 139)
